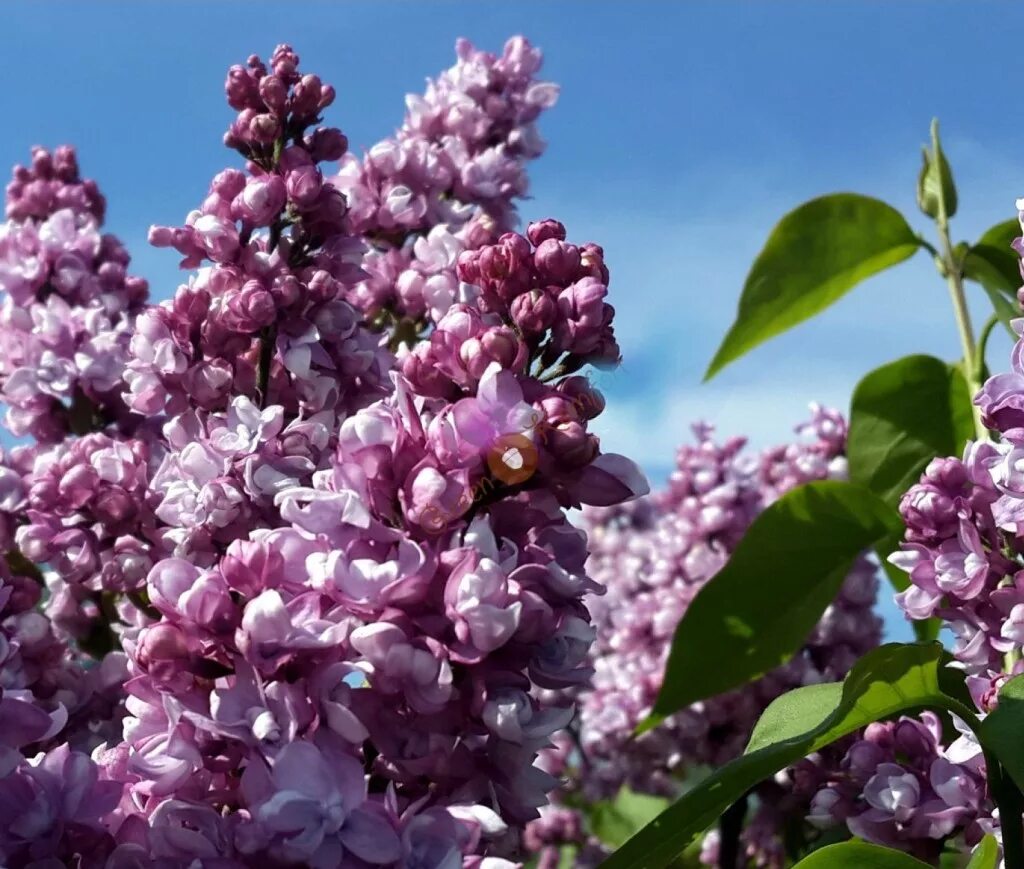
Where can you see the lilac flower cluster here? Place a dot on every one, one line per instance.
(447, 180)
(267, 318)
(68, 303)
(349, 598)
(897, 785)
(653, 556)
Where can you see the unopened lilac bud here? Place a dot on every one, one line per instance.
(468, 266)
(251, 308)
(327, 144)
(240, 88)
(284, 61)
(209, 381)
(218, 237)
(228, 183)
(533, 312)
(286, 290)
(264, 128)
(304, 185)
(557, 262)
(541, 230)
(274, 93)
(322, 287)
(163, 652)
(502, 345)
(65, 163)
(261, 201)
(305, 98)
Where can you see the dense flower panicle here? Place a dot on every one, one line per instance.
(653, 556)
(898, 786)
(349, 598)
(462, 147)
(448, 179)
(266, 318)
(68, 303)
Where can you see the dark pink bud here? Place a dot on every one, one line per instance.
(114, 506)
(284, 61)
(557, 262)
(261, 201)
(570, 444)
(468, 266)
(534, 312)
(286, 290)
(208, 382)
(250, 567)
(327, 95)
(322, 287)
(274, 93)
(240, 88)
(264, 128)
(228, 183)
(304, 185)
(163, 652)
(541, 230)
(327, 144)
(502, 345)
(305, 99)
(251, 308)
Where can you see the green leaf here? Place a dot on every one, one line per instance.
(887, 681)
(859, 855)
(993, 263)
(614, 821)
(902, 415)
(1002, 728)
(797, 551)
(986, 854)
(815, 255)
(936, 192)
(1005, 310)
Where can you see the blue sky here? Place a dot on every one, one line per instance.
(682, 134)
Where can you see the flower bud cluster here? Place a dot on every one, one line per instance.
(448, 179)
(267, 317)
(897, 785)
(68, 302)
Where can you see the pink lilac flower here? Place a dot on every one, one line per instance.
(68, 303)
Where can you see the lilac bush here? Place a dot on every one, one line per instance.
(290, 578)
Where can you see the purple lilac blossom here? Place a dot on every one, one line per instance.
(292, 615)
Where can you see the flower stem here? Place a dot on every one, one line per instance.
(953, 270)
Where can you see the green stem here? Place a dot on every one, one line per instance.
(986, 332)
(954, 278)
